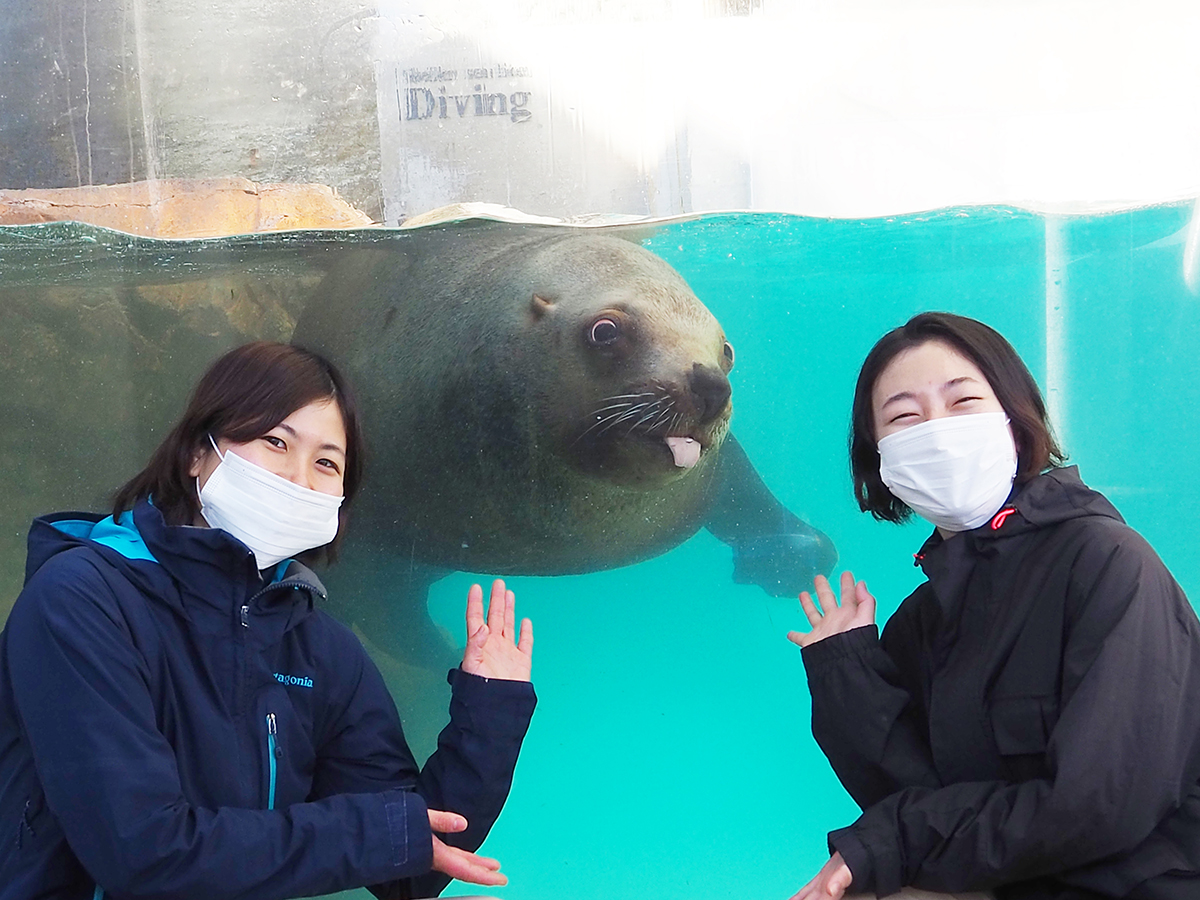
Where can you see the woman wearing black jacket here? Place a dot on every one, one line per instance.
(1029, 722)
(178, 717)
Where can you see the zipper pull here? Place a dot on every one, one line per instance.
(272, 755)
(272, 738)
(245, 616)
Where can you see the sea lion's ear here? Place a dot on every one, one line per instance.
(539, 306)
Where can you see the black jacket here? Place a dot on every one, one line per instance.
(1029, 722)
(171, 726)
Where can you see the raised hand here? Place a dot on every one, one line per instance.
(830, 884)
(491, 651)
(826, 617)
(457, 863)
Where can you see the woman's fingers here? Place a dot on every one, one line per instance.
(826, 616)
(825, 594)
(525, 643)
(849, 600)
(839, 882)
(474, 609)
(495, 647)
(510, 615)
(446, 822)
(495, 613)
(810, 609)
(866, 603)
(466, 866)
(806, 892)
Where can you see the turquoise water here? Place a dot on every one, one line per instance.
(673, 759)
(670, 756)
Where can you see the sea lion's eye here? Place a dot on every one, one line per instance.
(728, 351)
(603, 332)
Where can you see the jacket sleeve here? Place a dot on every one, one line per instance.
(864, 717)
(110, 777)
(1123, 754)
(469, 773)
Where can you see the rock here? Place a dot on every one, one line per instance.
(183, 208)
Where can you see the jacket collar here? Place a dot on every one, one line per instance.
(215, 569)
(205, 574)
(1055, 496)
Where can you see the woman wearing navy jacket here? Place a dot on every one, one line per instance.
(178, 718)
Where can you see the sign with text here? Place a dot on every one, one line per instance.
(550, 114)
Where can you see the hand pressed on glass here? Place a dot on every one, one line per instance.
(827, 617)
(494, 648)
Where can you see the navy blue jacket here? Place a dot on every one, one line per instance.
(172, 726)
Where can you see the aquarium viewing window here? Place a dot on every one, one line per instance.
(179, 178)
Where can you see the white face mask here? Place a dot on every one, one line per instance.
(272, 516)
(954, 471)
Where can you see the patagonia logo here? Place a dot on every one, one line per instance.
(293, 680)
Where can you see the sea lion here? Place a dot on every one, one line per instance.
(538, 401)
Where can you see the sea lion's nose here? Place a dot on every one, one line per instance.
(711, 388)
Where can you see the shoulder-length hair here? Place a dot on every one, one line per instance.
(242, 396)
(995, 357)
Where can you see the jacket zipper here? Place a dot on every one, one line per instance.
(272, 753)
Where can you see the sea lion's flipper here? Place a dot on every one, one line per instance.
(384, 598)
(772, 547)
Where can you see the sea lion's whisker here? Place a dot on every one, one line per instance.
(597, 423)
(662, 417)
(649, 415)
(628, 415)
(620, 408)
(614, 406)
(624, 396)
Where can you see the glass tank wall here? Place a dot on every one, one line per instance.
(815, 172)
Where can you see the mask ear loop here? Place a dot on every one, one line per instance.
(217, 451)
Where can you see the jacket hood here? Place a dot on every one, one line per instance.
(186, 567)
(1054, 496)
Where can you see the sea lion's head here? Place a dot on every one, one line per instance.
(641, 393)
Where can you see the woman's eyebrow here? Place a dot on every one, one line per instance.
(961, 379)
(902, 395)
(911, 395)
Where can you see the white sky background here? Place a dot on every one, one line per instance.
(922, 105)
(873, 107)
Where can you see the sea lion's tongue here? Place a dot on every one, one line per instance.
(685, 450)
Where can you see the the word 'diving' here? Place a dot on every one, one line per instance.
(422, 103)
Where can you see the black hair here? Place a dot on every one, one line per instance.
(1007, 375)
(242, 396)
